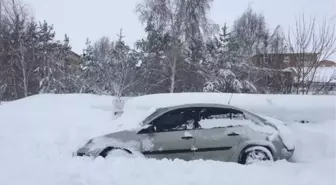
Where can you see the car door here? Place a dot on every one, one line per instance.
(218, 133)
(169, 135)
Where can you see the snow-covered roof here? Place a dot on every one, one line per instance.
(323, 74)
(288, 69)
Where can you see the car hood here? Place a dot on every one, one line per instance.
(123, 136)
(286, 135)
(123, 139)
(129, 140)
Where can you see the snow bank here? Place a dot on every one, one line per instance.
(314, 141)
(286, 135)
(70, 119)
(38, 135)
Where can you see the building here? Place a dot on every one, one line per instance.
(284, 60)
(320, 80)
(288, 70)
(273, 73)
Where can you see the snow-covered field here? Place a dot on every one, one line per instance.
(38, 135)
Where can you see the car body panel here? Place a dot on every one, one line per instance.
(168, 145)
(225, 144)
(216, 143)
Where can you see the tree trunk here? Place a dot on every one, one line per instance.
(24, 75)
(173, 74)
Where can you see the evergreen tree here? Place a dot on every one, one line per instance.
(223, 71)
(109, 68)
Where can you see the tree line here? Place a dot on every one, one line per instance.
(183, 51)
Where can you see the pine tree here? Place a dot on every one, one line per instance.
(56, 71)
(223, 68)
(93, 71)
(122, 67)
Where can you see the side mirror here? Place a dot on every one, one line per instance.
(148, 130)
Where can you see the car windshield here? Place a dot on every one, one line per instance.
(154, 114)
(255, 119)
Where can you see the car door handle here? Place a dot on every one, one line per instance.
(233, 134)
(187, 137)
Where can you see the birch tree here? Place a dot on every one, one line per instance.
(183, 20)
(17, 17)
(248, 30)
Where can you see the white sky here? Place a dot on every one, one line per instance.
(82, 19)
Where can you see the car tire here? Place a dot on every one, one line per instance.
(255, 154)
(109, 150)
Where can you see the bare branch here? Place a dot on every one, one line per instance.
(309, 43)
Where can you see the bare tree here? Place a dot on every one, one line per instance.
(309, 43)
(16, 19)
(249, 31)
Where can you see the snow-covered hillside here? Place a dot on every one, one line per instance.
(38, 135)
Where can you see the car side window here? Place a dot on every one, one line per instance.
(176, 120)
(220, 117)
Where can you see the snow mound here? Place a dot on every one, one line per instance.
(286, 135)
(314, 141)
(38, 135)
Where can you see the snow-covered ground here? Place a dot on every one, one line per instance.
(38, 135)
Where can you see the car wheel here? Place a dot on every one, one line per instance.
(256, 154)
(114, 151)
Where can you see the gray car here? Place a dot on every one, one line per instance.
(199, 131)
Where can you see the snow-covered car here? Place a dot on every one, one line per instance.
(198, 131)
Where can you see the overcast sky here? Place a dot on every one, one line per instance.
(82, 19)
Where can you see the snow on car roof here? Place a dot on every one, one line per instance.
(138, 108)
(292, 107)
(246, 101)
(177, 99)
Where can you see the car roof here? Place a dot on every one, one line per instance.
(190, 105)
(178, 99)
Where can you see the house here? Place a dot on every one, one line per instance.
(73, 58)
(319, 77)
(284, 60)
(272, 75)
(320, 80)
(272, 80)
(72, 61)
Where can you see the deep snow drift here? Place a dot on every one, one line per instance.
(38, 135)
